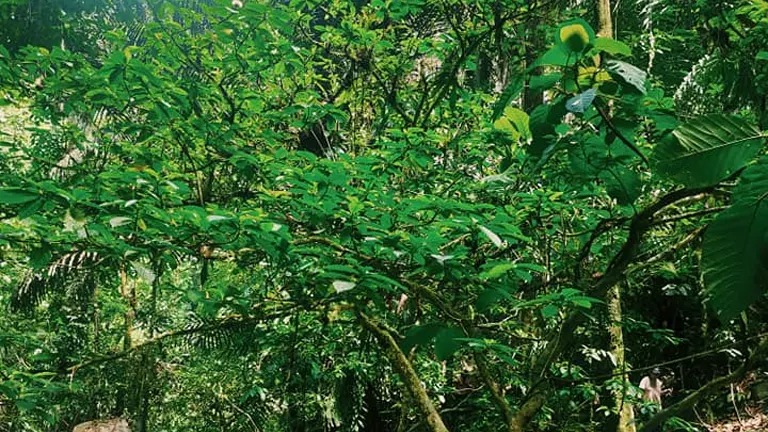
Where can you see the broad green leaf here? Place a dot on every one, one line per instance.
(574, 36)
(489, 297)
(40, 257)
(24, 404)
(420, 335)
(543, 82)
(512, 91)
(497, 271)
(556, 56)
(549, 311)
(447, 343)
(543, 120)
(16, 196)
(707, 150)
(31, 208)
(582, 101)
(735, 250)
(762, 55)
(632, 75)
(516, 122)
(621, 183)
(612, 46)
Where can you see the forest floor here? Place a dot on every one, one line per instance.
(755, 423)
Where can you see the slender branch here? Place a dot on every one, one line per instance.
(498, 395)
(669, 362)
(406, 372)
(668, 250)
(688, 215)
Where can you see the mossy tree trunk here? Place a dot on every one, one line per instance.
(626, 420)
(411, 381)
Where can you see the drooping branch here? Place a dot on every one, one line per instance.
(406, 372)
(498, 395)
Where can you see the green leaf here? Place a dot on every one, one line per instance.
(40, 257)
(574, 36)
(447, 343)
(549, 311)
(420, 335)
(31, 208)
(762, 55)
(497, 271)
(516, 122)
(489, 297)
(556, 56)
(16, 196)
(543, 82)
(543, 120)
(632, 75)
(707, 150)
(612, 46)
(621, 183)
(512, 91)
(26, 404)
(735, 250)
(582, 101)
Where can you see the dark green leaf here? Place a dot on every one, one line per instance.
(707, 150)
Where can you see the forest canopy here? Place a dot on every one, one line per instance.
(383, 215)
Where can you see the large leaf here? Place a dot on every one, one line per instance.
(735, 250)
(420, 335)
(707, 150)
(544, 82)
(574, 36)
(543, 120)
(512, 91)
(515, 121)
(622, 183)
(612, 46)
(16, 196)
(447, 342)
(632, 75)
(556, 56)
(581, 101)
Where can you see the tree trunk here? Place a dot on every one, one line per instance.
(404, 369)
(623, 408)
(129, 293)
(604, 20)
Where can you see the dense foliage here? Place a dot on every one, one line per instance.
(384, 215)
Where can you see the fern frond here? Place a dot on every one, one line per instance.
(73, 271)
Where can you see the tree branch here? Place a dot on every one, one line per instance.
(407, 374)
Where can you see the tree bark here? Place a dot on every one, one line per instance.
(407, 374)
(623, 408)
(529, 409)
(496, 392)
(129, 293)
(604, 19)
